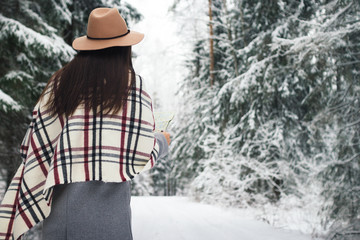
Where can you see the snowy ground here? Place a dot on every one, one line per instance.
(178, 218)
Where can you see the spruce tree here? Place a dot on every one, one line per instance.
(31, 50)
(196, 131)
(337, 126)
(284, 121)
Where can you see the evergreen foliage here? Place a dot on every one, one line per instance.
(280, 122)
(283, 115)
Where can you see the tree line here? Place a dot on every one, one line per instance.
(271, 107)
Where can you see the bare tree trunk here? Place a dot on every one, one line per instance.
(231, 40)
(212, 60)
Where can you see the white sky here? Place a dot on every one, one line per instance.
(160, 56)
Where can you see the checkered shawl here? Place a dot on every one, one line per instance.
(82, 147)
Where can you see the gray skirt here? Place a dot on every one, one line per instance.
(89, 210)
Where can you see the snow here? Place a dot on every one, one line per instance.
(36, 18)
(32, 39)
(178, 218)
(65, 13)
(9, 101)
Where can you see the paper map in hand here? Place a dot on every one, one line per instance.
(162, 120)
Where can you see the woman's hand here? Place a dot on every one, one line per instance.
(167, 136)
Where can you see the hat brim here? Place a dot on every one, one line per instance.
(84, 43)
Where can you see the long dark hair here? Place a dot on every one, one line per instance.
(100, 79)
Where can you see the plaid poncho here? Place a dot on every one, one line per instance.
(83, 147)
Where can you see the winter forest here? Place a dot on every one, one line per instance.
(268, 109)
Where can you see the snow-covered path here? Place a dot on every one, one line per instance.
(177, 218)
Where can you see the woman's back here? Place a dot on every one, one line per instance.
(93, 125)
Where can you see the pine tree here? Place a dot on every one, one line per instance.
(286, 118)
(338, 124)
(211, 36)
(193, 124)
(30, 52)
(196, 130)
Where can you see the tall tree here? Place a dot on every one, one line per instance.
(338, 124)
(27, 58)
(286, 122)
(211, 36)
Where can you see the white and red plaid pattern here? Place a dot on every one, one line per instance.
(83, 147)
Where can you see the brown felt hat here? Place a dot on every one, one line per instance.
(106, 28)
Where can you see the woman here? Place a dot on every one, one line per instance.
(92, 131)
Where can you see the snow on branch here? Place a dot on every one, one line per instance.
(31, 39)
(63, 10)
(334, 18)
(247, 79)
(34, 16)
(9, 103)
(312, 42)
